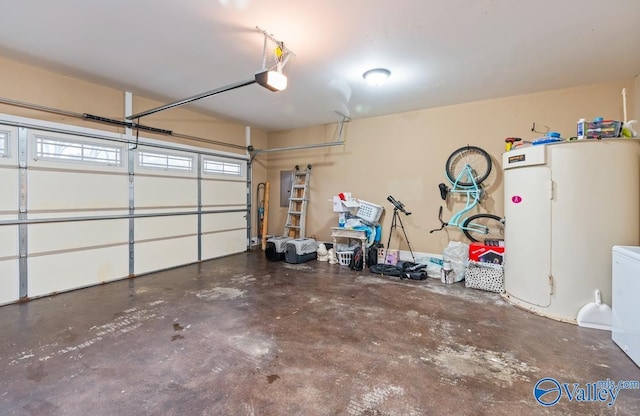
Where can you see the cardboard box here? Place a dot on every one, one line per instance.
(392, 257)
(486, 254)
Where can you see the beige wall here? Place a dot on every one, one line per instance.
(404, 155)
(37, 86)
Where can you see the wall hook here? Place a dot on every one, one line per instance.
(533, 129)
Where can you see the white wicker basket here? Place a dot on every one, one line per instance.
(369, 212)
(344, 257)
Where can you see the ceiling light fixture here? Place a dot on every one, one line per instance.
(376, 76)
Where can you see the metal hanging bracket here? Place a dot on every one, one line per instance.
(346, 119)
(281, 53)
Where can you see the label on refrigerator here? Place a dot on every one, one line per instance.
(517, 158)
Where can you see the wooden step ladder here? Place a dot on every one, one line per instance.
(298, 201)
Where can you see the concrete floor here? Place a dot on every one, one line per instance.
(243, 336)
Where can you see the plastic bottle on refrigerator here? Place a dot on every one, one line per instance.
(582, 128)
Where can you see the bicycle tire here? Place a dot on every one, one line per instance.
(481, 226)
(477, 158)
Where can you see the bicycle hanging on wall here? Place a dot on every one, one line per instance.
(466, 168)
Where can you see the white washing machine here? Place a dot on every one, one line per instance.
(625, 326)
(566, 205)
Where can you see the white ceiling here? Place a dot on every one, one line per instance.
(440, 52)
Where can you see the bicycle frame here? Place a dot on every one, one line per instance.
(472, 193)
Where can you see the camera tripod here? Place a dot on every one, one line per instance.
(394, 223)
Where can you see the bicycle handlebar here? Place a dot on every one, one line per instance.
(443, 224)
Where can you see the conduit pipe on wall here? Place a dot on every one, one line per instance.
(301, 147)
(338, 142)
(42, 108)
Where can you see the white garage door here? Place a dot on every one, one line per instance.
(81, 207)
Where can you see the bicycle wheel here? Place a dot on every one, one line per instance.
(481, 226)
(475, 157)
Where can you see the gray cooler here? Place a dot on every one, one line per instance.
(300, 250)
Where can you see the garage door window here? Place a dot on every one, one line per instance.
(51, 148)
(165, 161)
(4, 144)
(222, 168)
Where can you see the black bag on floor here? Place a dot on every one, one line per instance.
(385, 270)
(372, 254)
(413, 271)
(357, 260)
(403, 270)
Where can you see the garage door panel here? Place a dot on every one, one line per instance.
(165, 227)
(9, 281)
(223, 243)
(51, 190)
(80, 234)
(8, 238)
(72, 270)
(165, 192)
(8, 189)
(224, 221)
(164, 254)
(224, 193)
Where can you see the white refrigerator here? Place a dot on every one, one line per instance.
(566, 206)
(625, 325)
